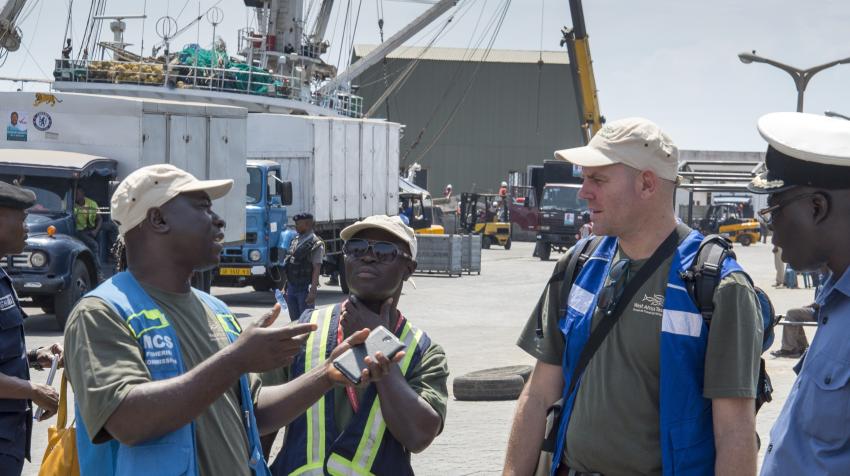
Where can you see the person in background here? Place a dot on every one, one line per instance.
(448, 191)
(303, 267)
(779, 265)
(87, 221)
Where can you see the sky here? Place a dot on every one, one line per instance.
(674, 62)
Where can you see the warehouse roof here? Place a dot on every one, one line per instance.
(462, 54)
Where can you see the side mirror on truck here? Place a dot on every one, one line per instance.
(286, 193)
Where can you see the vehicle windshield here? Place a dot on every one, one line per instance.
(46, 201)
(255, 186)
(49, 192)
(562, 198)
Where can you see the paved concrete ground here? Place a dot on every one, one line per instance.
(476, 319)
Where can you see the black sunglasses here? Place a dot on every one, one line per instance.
(384, 251)
(611, 293)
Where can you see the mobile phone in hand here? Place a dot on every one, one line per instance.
(352, 362)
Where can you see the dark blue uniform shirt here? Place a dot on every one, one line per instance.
(15, 415)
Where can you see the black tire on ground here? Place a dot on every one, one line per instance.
(343, 282)
(485, 242)
(262, 284)
(544, 250)
(66, 299)
(45, 303)
(502, 383)
(508, 244)
(202, 280)
(745, 240)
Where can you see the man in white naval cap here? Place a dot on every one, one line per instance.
(808, 179)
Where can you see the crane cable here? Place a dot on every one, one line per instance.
(471, 82)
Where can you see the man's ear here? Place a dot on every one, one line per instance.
(822, 207)
(647, 183)
(409, 270)
(156, 221)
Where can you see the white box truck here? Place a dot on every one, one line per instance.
(57, 143)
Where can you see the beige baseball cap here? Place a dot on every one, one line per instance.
(634, 141)
(153, 186)
(392, 224)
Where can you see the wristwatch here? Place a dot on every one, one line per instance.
(32, 358)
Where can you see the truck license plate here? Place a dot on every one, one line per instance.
(234, 271)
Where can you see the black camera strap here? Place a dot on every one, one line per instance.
(667, 248)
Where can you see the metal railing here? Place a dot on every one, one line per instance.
(247, 81)
(180, 76)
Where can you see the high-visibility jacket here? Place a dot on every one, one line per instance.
(86, 215)
(161, 349)
(365, 447)
(687, 435)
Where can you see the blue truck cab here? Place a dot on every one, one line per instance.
(259, 260)
(56, 268)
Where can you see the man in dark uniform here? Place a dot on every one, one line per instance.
(16, 390)
(303, 267)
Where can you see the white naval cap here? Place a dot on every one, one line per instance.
(803, 149)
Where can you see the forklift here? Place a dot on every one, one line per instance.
(730, 218)
(486, 214)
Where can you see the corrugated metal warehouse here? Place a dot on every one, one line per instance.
(470, 122)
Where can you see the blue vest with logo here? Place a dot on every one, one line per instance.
(687, 436)
(313, 446)
(161, 350)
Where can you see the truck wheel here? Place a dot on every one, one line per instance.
(202, 280)
(502, 383)
(508, 244)
(485, 242)
(544, 251)
(66, 299)
(262, 284)
(745, 240)
(343, 281)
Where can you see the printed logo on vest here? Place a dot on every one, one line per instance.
(652, 305)
(158, 350)
(7, 302)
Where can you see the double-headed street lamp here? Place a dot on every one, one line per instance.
(801, 76)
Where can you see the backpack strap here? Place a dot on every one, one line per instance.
(703, 277)
(582, 251)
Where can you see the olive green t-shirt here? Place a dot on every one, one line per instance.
(428, 379)
(104, 362)
(614, 427)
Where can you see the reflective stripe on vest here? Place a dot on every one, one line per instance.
(313, 446)
(686, 431)
(364, 458)
(161, 352)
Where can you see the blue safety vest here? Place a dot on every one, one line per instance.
(687, 436)
(313, 446)
(161, 350)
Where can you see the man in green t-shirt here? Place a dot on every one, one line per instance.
(87, 221)
(170, 230)
(630, 174)
(371, 429)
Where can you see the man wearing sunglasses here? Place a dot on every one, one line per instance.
(660, 394)
(808, 182)
(370, 429)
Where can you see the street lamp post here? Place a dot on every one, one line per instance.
(801, 76)
(836, 114)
